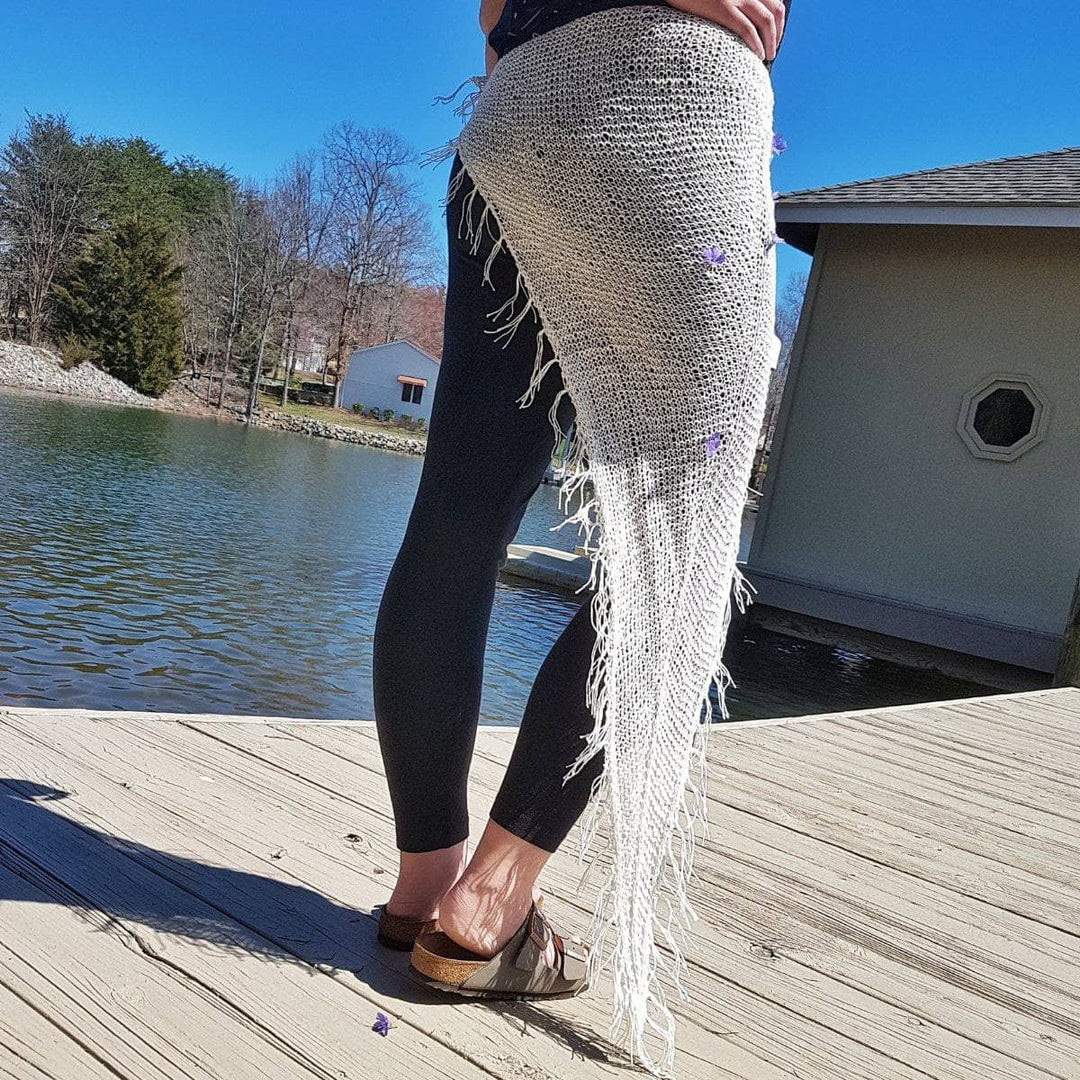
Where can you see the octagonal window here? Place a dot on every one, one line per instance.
(1002, 417)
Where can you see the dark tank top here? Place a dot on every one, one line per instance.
(524, 19)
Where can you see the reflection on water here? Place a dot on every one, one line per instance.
(778, 675)
(157, 561)
(153, 561)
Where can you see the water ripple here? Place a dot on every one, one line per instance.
(151, 561)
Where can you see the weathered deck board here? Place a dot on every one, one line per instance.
(162, 994)
(760, 1016)
(729, 824)
(885, 895)
(325, 883)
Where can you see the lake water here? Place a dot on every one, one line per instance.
(162, 562)
(156, 561)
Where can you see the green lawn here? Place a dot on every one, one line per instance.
(338, 416)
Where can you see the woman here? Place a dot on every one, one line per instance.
(612, 182)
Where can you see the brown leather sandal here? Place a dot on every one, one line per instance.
(516, 971)
(398, 932)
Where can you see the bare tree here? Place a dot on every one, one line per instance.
(197, 252)
(378, 232)
(408, 260)
(283, 240)
(303, 219)
(788, 312)
(46, 197)
(234, 244)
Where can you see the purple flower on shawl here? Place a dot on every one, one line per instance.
(775, 196)
(774, 239)
(382, 1024)
(713, 256)
(778, 143)
(712, 443)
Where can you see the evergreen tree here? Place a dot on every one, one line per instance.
(199, 188)
(119, 307)
(134, 178)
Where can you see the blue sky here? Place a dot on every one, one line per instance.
(862, 88)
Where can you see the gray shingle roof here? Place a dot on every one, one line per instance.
(1047, 179)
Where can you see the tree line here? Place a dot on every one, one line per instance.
(149, 267)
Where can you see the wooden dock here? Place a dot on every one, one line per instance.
(886, 895)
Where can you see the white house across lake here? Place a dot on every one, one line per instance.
(924, 480)
(398, 375)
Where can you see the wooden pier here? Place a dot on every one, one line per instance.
(886, 895)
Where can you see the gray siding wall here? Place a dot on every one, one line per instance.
(873, 491)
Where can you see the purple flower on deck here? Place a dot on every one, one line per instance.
(778, 143)
(382, 1024)
(712, 443)
(713, 256)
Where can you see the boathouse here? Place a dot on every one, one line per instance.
(924, 480)
(398, 375)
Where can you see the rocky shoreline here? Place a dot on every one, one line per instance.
(27, 367)
(304, 425)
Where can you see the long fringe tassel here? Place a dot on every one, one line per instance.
(632, 1018)
(439, 154)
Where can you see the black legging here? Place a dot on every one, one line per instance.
(486, 456)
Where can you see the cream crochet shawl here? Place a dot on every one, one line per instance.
(624, 162)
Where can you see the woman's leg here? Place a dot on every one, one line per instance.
(533, 810)
(485, 458)
(533, 802)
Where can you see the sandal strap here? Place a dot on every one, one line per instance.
(573, 958)
(520, 966)
(570, 956)
(538, 933)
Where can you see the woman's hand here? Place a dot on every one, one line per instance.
(760, 23)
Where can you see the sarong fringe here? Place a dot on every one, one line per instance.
(640, 1004)
(669, 927)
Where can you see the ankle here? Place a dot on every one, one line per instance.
(483, 916)
(423, 880)
(422, 907)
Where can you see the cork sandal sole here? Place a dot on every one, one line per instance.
(491, 995)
